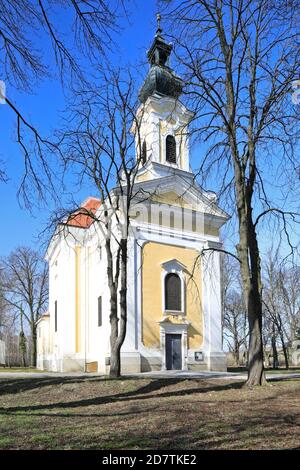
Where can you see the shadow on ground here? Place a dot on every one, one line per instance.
(145, 392)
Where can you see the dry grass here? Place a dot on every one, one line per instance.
(92, 413)
(7, 370)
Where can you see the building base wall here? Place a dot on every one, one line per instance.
(130, 363)
(150, 363)
(211, 362)
(43, 364)
(133, 363)
(68, 363)
(218, 361)
(72, 364)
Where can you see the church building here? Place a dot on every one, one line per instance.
(174, 303)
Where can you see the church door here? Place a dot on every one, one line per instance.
(173, 352)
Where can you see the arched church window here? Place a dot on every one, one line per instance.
(170, 149)
(144, 153)
(173, 292)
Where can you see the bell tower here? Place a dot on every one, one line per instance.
(161, 128)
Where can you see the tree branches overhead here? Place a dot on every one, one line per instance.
(240, 59)
(70, 29)
(43, 38)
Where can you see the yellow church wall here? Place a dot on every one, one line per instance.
(154, 254)
(172, 199)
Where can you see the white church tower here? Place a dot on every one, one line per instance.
(164, 119)
(174, 283)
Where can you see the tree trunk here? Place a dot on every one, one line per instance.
(284, 349)
(274, 350)
(255, 365)
(112, 278)
(115, 365)
(236, 343)
(115, 368)
(33, 346)
(245, 358)
(22, 348)
(237, 355)
(250, 272)
(115, 361)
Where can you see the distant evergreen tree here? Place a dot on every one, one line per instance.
(22, 342)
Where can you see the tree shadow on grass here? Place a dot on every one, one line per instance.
(14, 386)
(20, 385)
(143, 393)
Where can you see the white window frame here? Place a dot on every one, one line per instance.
(173, 267)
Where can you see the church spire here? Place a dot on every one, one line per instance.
(160, 51)
(159, 30)
(160, 79)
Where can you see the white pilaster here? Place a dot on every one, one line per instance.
(212, 306)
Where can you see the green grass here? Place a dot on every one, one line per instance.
(18, 369)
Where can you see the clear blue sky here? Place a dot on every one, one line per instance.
(43, 108)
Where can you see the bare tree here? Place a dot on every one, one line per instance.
(25, 288)
(3, 306)
(289, 282)
(7, 322)
(102, 148)
(281, 301)
(235, 329)
(77, 35)
(240, 58)
(274, 313)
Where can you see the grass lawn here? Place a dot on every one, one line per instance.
(92, 413)
(7, 370)
(269, 371)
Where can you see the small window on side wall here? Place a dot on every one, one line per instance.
(100, 310)
(170, 149)
(173, 292)
(55, 316)
(144, 153)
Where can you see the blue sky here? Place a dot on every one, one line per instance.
(44, 108)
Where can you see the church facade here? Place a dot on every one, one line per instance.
(174, 303)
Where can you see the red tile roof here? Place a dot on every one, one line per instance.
(83, 217)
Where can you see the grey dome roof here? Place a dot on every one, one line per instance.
(162, 80)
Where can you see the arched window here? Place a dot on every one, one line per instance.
(144, 153)
(170, 149)
(173, 292)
